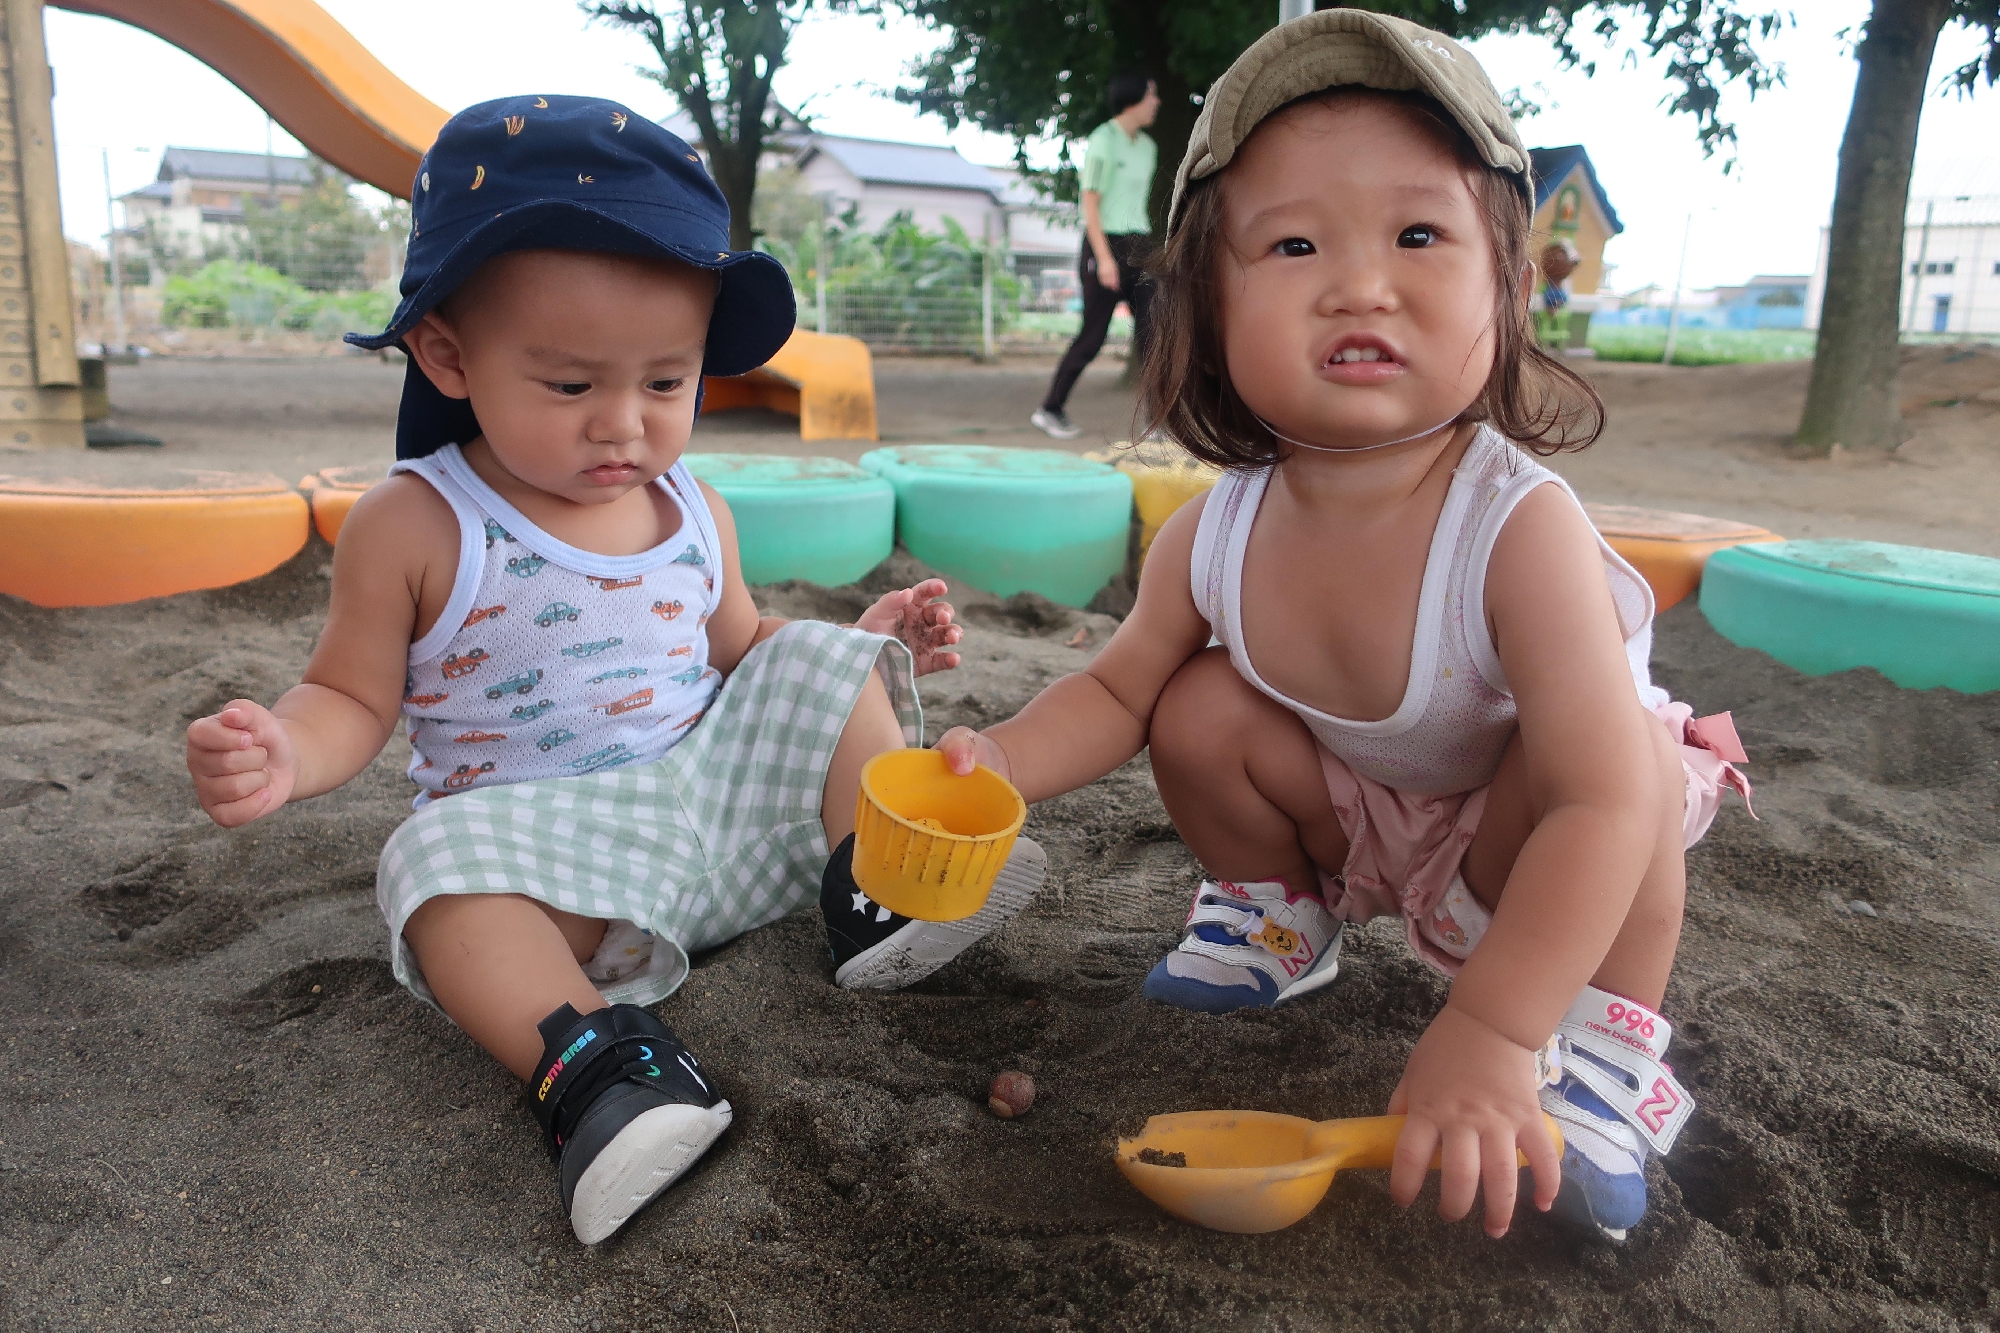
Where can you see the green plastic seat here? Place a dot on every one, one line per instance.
(818, 519)
(1010, 520)
(1922, 618)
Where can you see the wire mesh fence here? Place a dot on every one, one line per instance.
(301, 258)
(900, 287)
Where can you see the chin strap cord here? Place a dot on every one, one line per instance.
(1357, 449)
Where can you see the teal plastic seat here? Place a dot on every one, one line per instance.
(803, 518)
(1922, 618)
(1010, 520)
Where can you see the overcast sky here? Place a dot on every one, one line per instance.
(123, 90)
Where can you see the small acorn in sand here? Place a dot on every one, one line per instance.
(1011, 1095)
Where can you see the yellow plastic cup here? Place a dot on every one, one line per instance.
(928, 844)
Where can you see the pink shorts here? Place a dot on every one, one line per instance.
(1404, 850)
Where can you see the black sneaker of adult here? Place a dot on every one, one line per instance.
(626, 1110)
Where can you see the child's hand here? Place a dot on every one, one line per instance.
(243, 763)
(963, 747)
(923, 623)
(1471, 1092)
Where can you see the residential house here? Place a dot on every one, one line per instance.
(197, 203)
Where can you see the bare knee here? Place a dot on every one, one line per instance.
(1204, 706)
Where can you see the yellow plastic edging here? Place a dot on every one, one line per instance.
(75, 543)
(826, 380)
(333, 491)
(1163, 479)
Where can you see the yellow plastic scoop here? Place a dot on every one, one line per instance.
(927, 842)
(1253, 1171)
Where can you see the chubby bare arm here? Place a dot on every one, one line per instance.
(248, 760)
(1084, 725)
(1589, 748)
(735, 628)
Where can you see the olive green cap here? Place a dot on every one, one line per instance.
(1346, 48)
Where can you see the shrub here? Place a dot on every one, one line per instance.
(228, 294)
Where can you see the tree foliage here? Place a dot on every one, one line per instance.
(1030, 68)
(717, 58)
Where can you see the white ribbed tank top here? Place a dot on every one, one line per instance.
(1457, 714)
(552, 661)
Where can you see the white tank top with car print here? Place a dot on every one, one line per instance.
(549, 661)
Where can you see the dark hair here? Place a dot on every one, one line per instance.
(1530, 396)
(1127, 88)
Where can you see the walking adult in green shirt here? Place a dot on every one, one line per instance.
(1118, 163)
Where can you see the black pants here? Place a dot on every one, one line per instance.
(1134, 288)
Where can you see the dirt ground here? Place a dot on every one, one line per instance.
(222, 1112)
(1711, 440)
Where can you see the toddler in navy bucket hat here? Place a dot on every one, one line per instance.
(617, 760)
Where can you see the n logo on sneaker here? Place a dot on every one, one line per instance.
(1655, 1110)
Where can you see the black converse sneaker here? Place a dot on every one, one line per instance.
(626, 1110)
(875, 949)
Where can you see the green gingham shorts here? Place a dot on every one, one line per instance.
(720, 836)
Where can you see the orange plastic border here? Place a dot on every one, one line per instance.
(76, 543)
(1668, 548)
(333, 491)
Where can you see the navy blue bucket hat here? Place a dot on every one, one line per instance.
(569, 173)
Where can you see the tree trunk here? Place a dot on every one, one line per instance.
(1853, 398)
(735, 167)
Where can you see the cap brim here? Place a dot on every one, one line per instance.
(754, 306)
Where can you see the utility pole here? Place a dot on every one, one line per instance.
(819, 262)
(111, 250)
(1292, 9)
(1674, 311)
(1917, 274)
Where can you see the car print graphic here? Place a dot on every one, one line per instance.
(691, 556)
(592, 649)
(685, 650)
(465, 775)
(480, 613)
(495, 533)
(605, 758)
(555, 611)
(520, 684)
(422, 700)
(668, 610)
(631, 703)
(525, 566)
(615, 585)
(557, 737)
(479, 737)
(622, 673)
(690, 720)
(688, 677)
(529, 712)
(456, 665)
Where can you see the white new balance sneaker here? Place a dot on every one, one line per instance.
(1248, 946)
(1616, 1101)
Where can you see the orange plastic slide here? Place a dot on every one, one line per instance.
(293, 60)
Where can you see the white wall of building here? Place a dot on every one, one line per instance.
(1960, 262)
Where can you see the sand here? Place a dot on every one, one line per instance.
(221, 1111)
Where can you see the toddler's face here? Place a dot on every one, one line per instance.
(1357, 284)
(583, 367)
